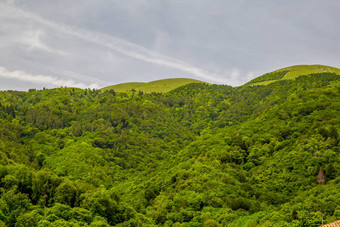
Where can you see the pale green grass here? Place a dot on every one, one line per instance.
(263, 82)
(124, 87)
(163, 86)
(300, 70)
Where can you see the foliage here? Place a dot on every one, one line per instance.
(200, 155)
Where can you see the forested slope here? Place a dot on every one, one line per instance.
(200, 155)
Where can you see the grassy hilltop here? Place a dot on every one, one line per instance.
(292, 72)
(198, 155)
(164, 85)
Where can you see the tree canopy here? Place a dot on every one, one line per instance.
(199, 155)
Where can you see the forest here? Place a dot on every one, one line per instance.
(199, 155)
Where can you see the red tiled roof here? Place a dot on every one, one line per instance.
(333, 224)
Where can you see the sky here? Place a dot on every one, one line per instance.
(97, 43)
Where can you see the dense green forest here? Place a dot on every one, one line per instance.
(199, 155)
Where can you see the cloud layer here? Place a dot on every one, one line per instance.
(107, 41)
(116, 44)
(41, 79)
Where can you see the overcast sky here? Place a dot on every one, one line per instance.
(96, 43)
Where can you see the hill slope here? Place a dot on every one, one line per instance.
(162, 86)
(292, 72)
(199, 155)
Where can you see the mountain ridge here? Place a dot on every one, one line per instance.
(169, 84)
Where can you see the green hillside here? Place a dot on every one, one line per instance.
(162, 86)
(292, 72)
(124, 87)
(198, 155)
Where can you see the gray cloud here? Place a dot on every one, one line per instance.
(116, 44)
(41, 79)
(113, 41)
